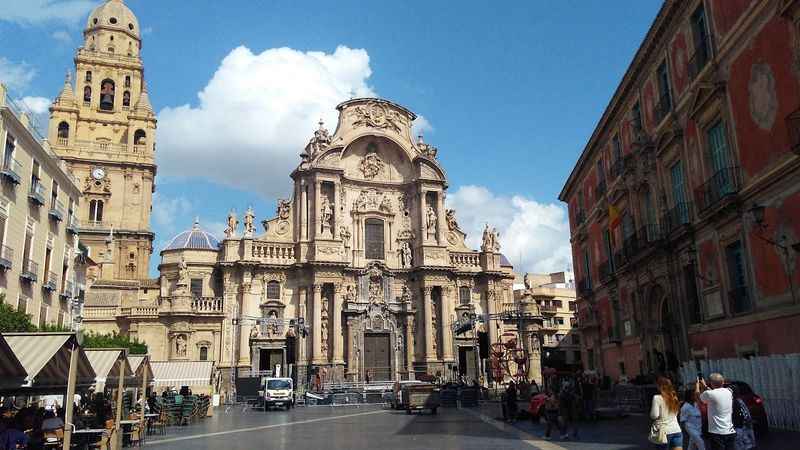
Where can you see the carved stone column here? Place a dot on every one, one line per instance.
(338, 339)
(302, 299)
(352, 353)
(491, 308)
(430, 333)
(409, 343)
(316, 327)
(447, 332)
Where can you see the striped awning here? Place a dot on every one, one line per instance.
(140, 364)
(12, 374)
(46, 357)
(106, 364)
(182, 373)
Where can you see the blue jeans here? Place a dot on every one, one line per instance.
(674, 440)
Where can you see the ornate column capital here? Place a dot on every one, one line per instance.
(317, 288)
(428, 291)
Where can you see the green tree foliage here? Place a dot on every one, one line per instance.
(13, 320)
(114, 340)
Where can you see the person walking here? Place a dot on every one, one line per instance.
(692, 420)
(511, 402)
(742, 423)
(551, 408)
(721, 434)
(664, 413)
(568, 409)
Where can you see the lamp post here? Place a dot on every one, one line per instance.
(756, 213)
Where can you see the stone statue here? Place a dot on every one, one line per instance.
(233, 223)
(320, 141)
(375, 291)
(249, 227)
(272, 324)
(452, 224)
(490, 240)
(405, 255)
(350, 294)
(183, 273)
(430, 223)
(405, 295)
(527, 281)
(254, 332)
(344, 232)
(326, 215)
(324, 325)
(180, 346)
(495, 240)
(283, 208)
(386, 205)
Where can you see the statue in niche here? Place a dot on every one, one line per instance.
(349, 294)
(249, 227)
(404, 252)
(233, 223)
(326, 215)
(254, 332)
(430, 215)
(180, 346)
(272, 324)
(324, 325)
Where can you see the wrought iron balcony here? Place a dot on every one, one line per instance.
(723, 184)
(56, 210)
(740, 300)
(662, 108)
(793, 125)
(6, 257)
(677, 216)
(73, 225)
(701, 56)
(36, 194)
(11, 170)
(51, 284)
(30, 271)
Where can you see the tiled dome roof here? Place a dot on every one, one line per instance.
(114, 14)
(194, 239)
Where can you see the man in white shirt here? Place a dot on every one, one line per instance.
(719, 399)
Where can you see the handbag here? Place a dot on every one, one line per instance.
(657, 435)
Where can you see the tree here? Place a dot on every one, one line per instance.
(12, 319)
(114, 340)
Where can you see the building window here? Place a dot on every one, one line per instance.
(63, 130)
(273, 290)
(636, 119)
(197, 287)
(681, 207)
(96, 211)
(88, 77)
(204, 353)
(717, 147)
(664, 97)
(139, 137)
(558, 303)
(126, 99)
(559, 320)
(739, 298)
(107, 91)
(87, 94)
(464, 295)
(587, 268)
(572, 306)
(373, 233)
(702, 49)
(127, 81)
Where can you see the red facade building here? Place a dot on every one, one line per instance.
(685, 203)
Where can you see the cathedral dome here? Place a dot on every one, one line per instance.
(114, 14)
(194, 239)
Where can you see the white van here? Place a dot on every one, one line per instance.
(278, 392)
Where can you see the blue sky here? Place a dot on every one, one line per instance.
(511, 91)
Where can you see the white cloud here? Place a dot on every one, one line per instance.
(167, 209)
(16, 75)
(36, 105)
(534, 236)
(62, 36)
(31, 12)
(257, 113)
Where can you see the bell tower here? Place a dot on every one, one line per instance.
(104, 128)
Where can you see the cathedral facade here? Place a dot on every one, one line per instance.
(361, 274)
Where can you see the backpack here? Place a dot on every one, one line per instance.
(741, 415)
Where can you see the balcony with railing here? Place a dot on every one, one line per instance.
(548, 310)
(740, 302)
(6, 257)
(36, 193)
(698, 61)
(206, 305)
(662, 108)
(273, 252)
(51, 282)
(30, 271)
(678, 216)
(73, 225)
(722, 186)
(56, 210)
(467, 260)
(11, 170)
(793, 125)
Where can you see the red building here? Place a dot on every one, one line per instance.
(685, 203)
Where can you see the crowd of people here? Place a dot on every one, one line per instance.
(727, 425)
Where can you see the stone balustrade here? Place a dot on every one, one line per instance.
(100, 312)
(469, 260)
(207, 304)
(144, 311)
(273, 252)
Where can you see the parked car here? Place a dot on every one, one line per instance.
(394, 397)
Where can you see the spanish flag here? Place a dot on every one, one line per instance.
(613, 216)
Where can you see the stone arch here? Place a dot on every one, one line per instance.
(376, 157)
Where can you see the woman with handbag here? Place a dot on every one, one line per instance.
(665, 431)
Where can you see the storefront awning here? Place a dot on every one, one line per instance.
(106, 364)
(46, 357)
(12, 374)
(182, 373)
(140, 365)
